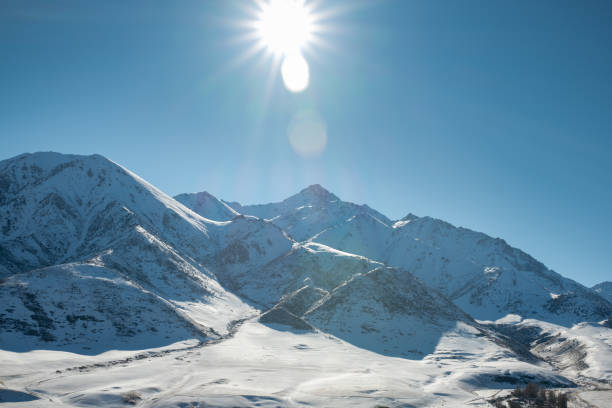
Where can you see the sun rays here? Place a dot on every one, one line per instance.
(282, 35)
(285, 27)
(284, 30)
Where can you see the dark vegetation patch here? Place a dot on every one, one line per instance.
(532, 395)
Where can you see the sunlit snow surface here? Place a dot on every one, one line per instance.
(264, 366)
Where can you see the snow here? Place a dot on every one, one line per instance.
(261, 366)
(387, 311)
(84, 211)
(484, 276)
(112, 287)
(314, 247)
(598, 399)
(509, 319)
(207, 206)
(604, 289)
(309, 212)
(582, 351)
(86, 309)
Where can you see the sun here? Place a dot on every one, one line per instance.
(285, 26)
(286, 34)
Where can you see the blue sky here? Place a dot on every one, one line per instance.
(492, 115)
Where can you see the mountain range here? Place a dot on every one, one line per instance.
(482, 275)
(93, 258)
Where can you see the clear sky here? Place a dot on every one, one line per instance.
(493, 115)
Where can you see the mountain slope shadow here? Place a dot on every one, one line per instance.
(388, 311)
(382, 309)
(279, 318)
(7, 395)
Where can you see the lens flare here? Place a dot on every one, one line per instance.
(307, 133)
(295, 73)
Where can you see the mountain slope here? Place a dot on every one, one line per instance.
(88, 210)
(382, 309)
(604, 289)
(484, 276)
(86, 309)
(388, 311)
(59, 209)
(207, 206)
(311, 264)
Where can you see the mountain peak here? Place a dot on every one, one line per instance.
(200, 195)
(407, 219)
(317, 191)
(207, 205)
(49, 160)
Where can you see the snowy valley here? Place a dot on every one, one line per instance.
(115, 294)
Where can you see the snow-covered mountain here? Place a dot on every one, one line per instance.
(57, 208)
(388, 311)
(307, 213)
(93, 259)
(484, 276)
(364, 302)
(82, 210)
(604, 289)
(103, 230)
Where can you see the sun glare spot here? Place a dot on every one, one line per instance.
(295, 73)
